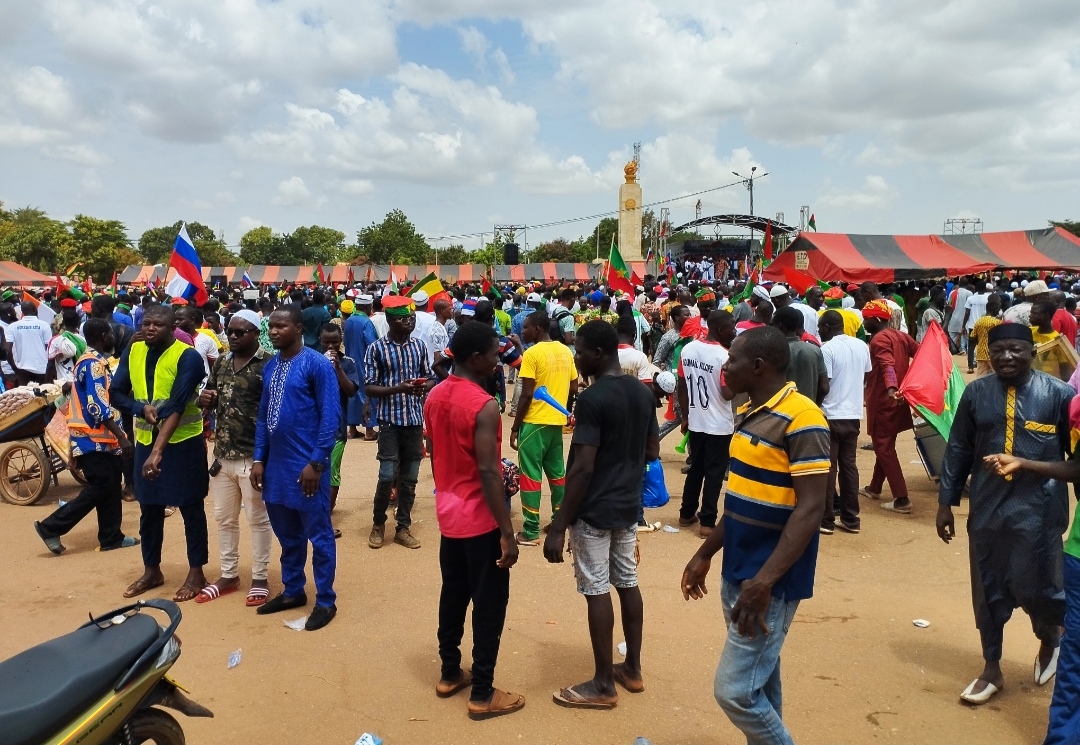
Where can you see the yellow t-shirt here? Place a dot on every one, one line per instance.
(551, 365)
(852, 320)
(981, 331)
(1042, 338)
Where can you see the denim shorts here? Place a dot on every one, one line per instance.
(603, 558)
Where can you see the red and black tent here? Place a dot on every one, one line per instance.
(896, 258)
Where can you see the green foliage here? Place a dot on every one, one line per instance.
(559, 250)
(32, 238)
(96, 245)
(156, 244)
(455, 254)
(607, 228)
(393, 241)
(304, 246)
(1072, 226)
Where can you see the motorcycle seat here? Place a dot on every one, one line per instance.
(46, 687)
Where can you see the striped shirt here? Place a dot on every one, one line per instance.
(388, 363)
(785, 437)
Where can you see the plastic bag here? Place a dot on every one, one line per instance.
(654, 490)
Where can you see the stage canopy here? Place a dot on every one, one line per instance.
(896, 258)
(339, 273)
(12, 274)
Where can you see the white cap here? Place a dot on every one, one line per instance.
(761, 292)
(666, 381)
(420, 297)
(362, 299)
(1014, 286)
(989, 286)
(1037, 287)
(1024, 283)
(352, 293)
(777, 291)
(247, 315)
(534, 298)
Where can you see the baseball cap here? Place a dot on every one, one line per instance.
(534, 298)
(1036, 287)
(420, 297)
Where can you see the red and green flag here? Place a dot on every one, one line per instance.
(619, 276)
(812, 223)
(487, 285)
(933, 384)
(317, 275)
(112, 285)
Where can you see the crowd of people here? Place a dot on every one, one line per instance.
(252, 402)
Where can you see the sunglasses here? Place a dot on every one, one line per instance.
(238, 332)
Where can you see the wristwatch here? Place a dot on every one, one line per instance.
(317, 466)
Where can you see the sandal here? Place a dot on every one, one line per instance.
(257, 596)
(141, 585)
(570, 698)
(523, 540)
(447, 688)
(213, 592)
(630, 684)
(187, 592)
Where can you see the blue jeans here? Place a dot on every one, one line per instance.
(747, 683)
(1064, 715)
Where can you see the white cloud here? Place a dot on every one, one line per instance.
(875, 193)
(294, 192)
(90, 185)
(17, 135)
(358, 187)
(78, 154)
(45, 94)
(245, 223)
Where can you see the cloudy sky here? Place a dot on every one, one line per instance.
(882, 116)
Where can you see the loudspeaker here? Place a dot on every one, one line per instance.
(510, 253)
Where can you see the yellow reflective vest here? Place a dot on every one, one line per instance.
(191, 424)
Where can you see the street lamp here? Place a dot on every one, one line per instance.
(749, 182)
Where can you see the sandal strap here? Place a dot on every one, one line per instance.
(211, 591)
(258, 592)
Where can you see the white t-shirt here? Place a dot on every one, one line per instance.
(431, 332)
(700, 365)
(847, 360)
(207, 349)
(634, 362)
(6, 365)
(977, 305)
(30, 337)
(810, 318)
(382, 328)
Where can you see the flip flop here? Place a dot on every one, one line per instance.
(213, 592)
(257, 596)
(522, 540)
(571, 699)
(446, 689)
(632, 686)
(891, 507)
(864, 492)
(128, 542)
(192, 591)
(139, 586)
(979, 698)
(1042, 677)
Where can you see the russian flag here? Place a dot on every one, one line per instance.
(188, 281)
(245, 281)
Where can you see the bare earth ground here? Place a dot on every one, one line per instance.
(855, 668)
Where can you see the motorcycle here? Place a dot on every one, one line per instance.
(99, 685)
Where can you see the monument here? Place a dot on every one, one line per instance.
(630, 215)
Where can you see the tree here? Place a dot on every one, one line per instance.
(1072, 226)
(607, 228)
(455, 254)
(156, 244)
(33, 239)
(559, 250)
(316, 245)
(96, 245)
(490, 254)
(393, 241)
(258, 246)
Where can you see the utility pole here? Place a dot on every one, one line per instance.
(749, 183)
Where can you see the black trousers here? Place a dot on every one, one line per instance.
(469, 573)
(152, 533)
(843, 448)
(708, 465)
(102, 493)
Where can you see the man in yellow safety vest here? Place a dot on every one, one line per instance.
(157, 382)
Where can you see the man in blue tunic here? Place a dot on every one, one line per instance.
(1014, 522)
(360, 334)
(298, 417)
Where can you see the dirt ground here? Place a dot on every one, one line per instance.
(855, 668)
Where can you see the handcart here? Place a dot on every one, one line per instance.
(36, 452)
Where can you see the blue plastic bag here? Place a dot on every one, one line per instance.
(654, 490)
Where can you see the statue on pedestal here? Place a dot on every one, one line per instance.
(630, 215)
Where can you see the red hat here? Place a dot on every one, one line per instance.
(69, 302)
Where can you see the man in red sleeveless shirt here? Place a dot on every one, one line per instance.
(478, 546)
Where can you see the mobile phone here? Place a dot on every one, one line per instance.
(215, 467)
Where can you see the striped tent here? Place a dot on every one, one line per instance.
(896, 258)
(17, 275)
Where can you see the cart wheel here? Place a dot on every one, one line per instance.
(24, 473)
(78, 475)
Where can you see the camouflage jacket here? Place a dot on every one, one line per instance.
(237, 404)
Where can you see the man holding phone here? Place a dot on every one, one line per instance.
(396, 376)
